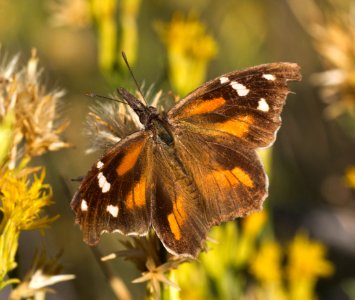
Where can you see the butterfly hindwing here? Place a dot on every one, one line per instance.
(178, 210)
(231, 179)
(243, 104)
(116, 193)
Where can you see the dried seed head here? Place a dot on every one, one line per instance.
(35, 109)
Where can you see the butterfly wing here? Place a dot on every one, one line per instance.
(228, 176)
(244, 105)
(217, 129)
(116, 193)
(178, 210)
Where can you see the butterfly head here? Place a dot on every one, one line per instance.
(145, 113)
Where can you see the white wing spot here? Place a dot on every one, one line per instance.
(224, 79)
(99, 164)
(269, 77)
(113, 210)
(84, 205)
(262, 105)
(240, 88)
(103, 183)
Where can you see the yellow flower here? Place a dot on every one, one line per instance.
(254, 223)
(350, 176)
(306, 262)
(6, 136)
(129, 32)
(189, 50)
(105, 14)
(266, 265)
(306, 259)
(22, 201)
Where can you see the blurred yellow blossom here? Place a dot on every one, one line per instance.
(190, 49)
(254, 223)
(129, 31)
(350, 176)
(6, 136)
(105, 16)
(266, 268)
(115, 23)
(266, 264)
(306, 262)
(113, 36)
(306, 259)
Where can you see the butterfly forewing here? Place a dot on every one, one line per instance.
(243, 104)
(116, 193)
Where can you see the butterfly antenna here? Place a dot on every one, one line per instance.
(134, 78)
(93, 95)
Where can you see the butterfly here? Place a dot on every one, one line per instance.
(190, 168)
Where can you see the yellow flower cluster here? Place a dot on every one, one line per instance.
(350, 177)
(28, 127)
(250, 250)
(113, 34)
(306, 262)
(266, 264)
(23, 197)
(189, 50)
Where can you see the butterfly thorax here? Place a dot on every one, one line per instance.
(150, 118)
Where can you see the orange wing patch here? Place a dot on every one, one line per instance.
(231, 178)
(225, 178)
(243, 177)
(130, 158)
(177, 218)
(136, 197)
(202, 107)
(237, 127)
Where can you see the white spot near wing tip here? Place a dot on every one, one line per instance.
(262, 105)
(103, 183)
(223, 79)
(99, 164)
(106, 187)
(240, 88)
(113, 210)
(269, 77)
(84, 205)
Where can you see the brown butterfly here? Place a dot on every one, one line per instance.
(190, 168)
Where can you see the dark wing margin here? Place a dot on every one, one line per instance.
(116, 193)
(243, 104)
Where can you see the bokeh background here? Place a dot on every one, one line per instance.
(311, 165)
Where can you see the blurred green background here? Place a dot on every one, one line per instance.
(311, 184)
